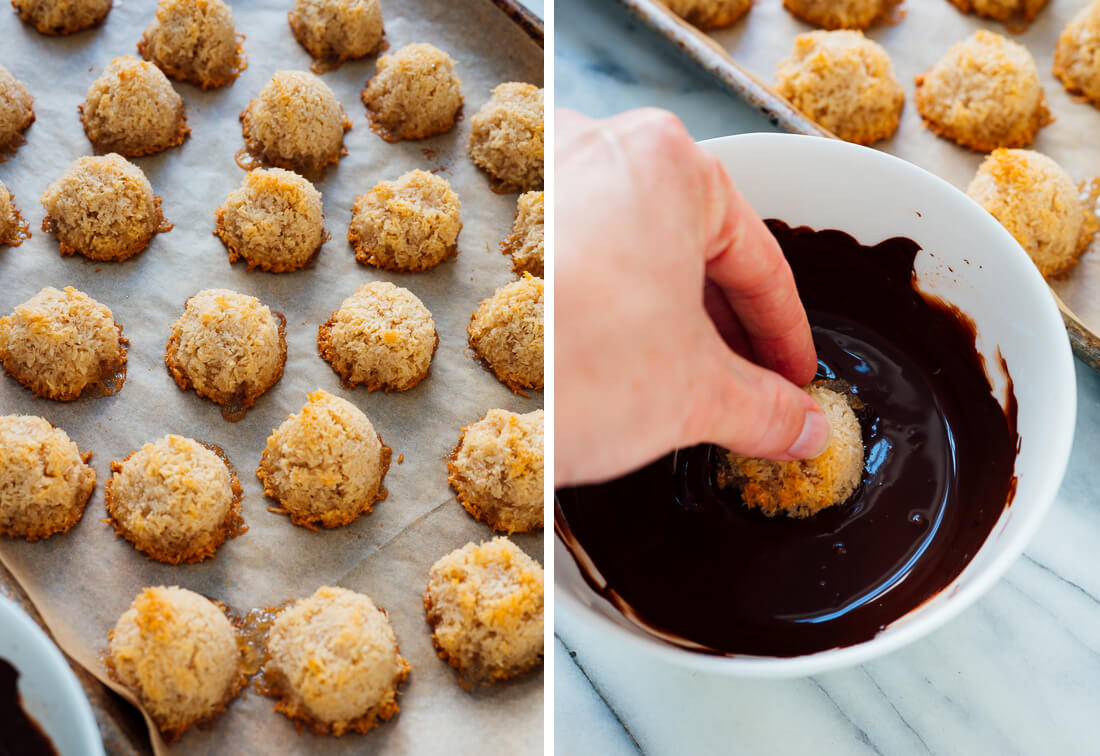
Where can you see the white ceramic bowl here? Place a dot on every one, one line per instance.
(48, 687)
(825, 183)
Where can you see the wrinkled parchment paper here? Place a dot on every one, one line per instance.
(766, 35)
(82, 581)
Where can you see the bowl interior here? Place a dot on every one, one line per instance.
(49, 690)
(968, 259)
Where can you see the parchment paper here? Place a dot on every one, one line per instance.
(766, 35)
(83, 580)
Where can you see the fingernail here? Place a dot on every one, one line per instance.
(814, 438)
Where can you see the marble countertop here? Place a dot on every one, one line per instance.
(1018, 672)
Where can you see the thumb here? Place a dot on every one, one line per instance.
(755, 412)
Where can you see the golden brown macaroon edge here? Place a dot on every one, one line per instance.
(232, 527)
(174, 733)
(720, 21)
(254, 150)
(21, 229)
(222, 233)
(328, 353)
(182, 132)
(43, 533)
(327, 64)
(455, 477)
(240, 405)
(272, 686)
(463, 676)
(364, 256)
(100, 385)
(1016, 21)
(517, 387)
(52, 31)
(1040, 118)
(163, 226)
(215, 83)
(363, 508)
(890, 14)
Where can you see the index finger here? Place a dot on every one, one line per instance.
(746, 263)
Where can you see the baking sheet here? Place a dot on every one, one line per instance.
(929, 27)
(82, 581)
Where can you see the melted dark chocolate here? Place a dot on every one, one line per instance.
(19, 734)
(684, 558)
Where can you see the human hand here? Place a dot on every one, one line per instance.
(677, 321)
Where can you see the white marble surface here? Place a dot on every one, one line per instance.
(1019, 672)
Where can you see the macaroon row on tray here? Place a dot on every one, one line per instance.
(272, 336)
(995, 96)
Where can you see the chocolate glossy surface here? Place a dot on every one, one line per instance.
(684, 558)
(20, 735)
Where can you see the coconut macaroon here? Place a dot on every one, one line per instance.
(16, 111)
(709, 14)
(506, 331)
(55, 17)
(275, 221)
(845, 82)
(179, 655)
(983, 93)
(485, 605)
(333, 31)
(45, 481)
(1077, 55)
(14, 230)
(296, 123)
(413, 94)
(60, 343)
(411, 224)
(802, 488)
(175, 500)
(132, 109)
(194, 41)
(841, 14)
(526, 244)
(333, 663)
(103, 208)
(1014, 12)
(382, 337)
(229, 347)
(326, 464)
(497, 470)
(506, 137)
(1039, 204)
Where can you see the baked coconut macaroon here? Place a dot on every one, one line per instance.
(1039, 204)
(103, 208)
(413, 94)
(333, 31)
(296, 123)
(485, 605)
(45, 482)
(61, 343)
(1077, 55)
(506, 331)
(229, 347)
(382, 337)
(57, 17)
(984, 93)
(802, 488)
(845, 82)
(411, 224)
(194, 41)
(179, 655)
(526, 245)
(275, 221)
(842, 14)
(709, 14)
(1017, 14)
(14, 230)
(133, 110)
(333, 663)
(497, 470)
(506, 137)
(175, 500)
(16, 112)
(325, 465)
